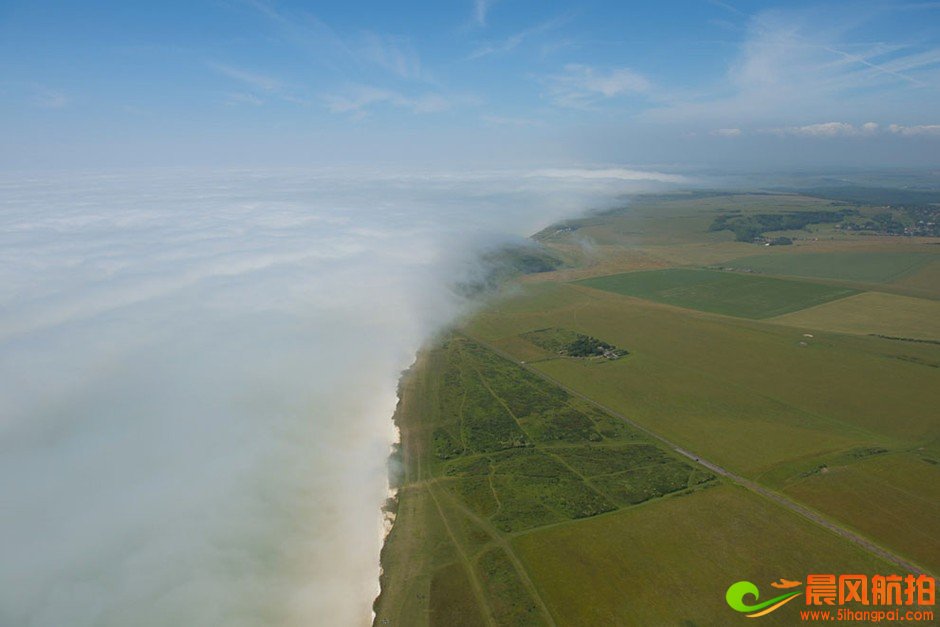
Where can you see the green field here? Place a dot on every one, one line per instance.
(872, 313)
(536, 487)
(746, 393)
(728, 293)
(645, 566)
(895, 497)
(865, 267)
(500, 451)
(923, 282)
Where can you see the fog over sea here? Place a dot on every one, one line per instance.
(198, 372)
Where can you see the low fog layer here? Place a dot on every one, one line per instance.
(198, 373)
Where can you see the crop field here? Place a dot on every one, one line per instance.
(727, 293)
(645, 566)
(872, 313)
(893, 497)
(865, 267)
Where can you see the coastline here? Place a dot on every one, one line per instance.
(401, 472)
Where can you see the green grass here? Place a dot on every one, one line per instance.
(511, 603)
(522, 503)
(527, 450)
(893, 497)
(492, 450)
(872, 313)
(865, 267)
(450, 603)
(744, 393)
(669, 562)
(728, 293)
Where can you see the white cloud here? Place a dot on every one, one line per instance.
(480, 10)
(802, 64)
(924, 130)
(358, 99)
(829, 130)
(581, 86)
(199, 376)
(616, 174)
(341, 52)
(726, 132)
(255, 80)
(394, 54)
(245, 98)
(499, 120)
(823, 129)
(516, 39)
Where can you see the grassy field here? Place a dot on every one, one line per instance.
(523, 503)
(893, 497)
(924, 282)
(492, 451)
(864, 267)
(728, 293)
(647, 566)
(748, 394)
(872, 313)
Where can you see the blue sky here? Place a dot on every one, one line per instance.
(265, 82)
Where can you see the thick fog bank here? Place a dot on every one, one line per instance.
(197, 375)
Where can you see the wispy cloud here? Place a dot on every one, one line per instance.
(515, 40)
(480, 10)
(254, 80)
(51, 98)
(518, 122)
(244, 98)
(257, 85)
(809, 63)
(836, 130)
(582, 86)
(727, 6)
(923, 130)
(394, 54)
(308, 34)
(357, 100)
(826, 130)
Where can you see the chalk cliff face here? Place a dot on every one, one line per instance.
(199, 372)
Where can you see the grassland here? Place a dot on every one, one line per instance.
(894, 497)
(645, 566)
(499, 451)
(864, 267)
(872, 313)
(726, 293)
(527, 498)
(747, 394)
(924, 282)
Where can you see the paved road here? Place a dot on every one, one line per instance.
(774, 496)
